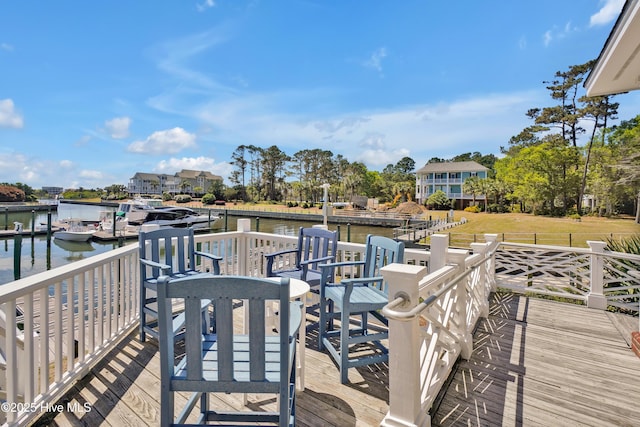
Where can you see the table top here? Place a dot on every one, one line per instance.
(297, 288)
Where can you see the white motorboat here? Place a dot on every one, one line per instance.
(75, 230)
(173, 216)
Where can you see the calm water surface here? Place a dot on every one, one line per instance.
(38, 255)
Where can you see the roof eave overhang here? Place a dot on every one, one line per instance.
(617, 69)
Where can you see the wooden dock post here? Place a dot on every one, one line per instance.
(17, 254)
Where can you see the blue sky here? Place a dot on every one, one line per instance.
(92, 92)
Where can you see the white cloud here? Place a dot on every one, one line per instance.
(206, 4)
(194, 163)
(557, 34)
(9, 117)
(91, 175)
(65, 164)
(17, 167)
(169, 141)
(375, 60)
(6, 46)
(607, 13)
(174, 56)
(118, 127)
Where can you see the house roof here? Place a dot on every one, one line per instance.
(469, 166)
(191, 174)
(617, 68)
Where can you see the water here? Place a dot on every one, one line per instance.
(38, 255)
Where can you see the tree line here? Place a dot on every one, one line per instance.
(269, 174)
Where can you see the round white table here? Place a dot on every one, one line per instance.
(298, 290)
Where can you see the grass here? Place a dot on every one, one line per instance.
(527, 228)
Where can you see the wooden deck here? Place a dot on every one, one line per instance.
(543, 363)
(535, 363)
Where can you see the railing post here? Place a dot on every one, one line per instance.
(438, 258)
(405, 406)
(483, 277)
(492, 239)
(458, 257)
(596, 298)
(244, 226)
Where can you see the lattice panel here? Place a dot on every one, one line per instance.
(546, 271)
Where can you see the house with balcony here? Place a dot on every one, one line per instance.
(183, 182)
(448, 177)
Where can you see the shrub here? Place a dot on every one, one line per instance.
(11, 194)
(474, 209)
(208, 199)
(183, 198)
(166, 197)
(629, 245)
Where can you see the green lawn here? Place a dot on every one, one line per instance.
(526, 228)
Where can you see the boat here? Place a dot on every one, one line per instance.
(76, 250)
(75, 230)
(173, 216)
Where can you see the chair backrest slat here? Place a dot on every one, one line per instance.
(172, 246)
(381, 251)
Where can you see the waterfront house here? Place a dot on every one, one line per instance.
(183, 182)
(448, 177)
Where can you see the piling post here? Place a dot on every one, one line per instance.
(49, 228)
(257, 224)
(6, 218)
(33, 222)
(17, 254)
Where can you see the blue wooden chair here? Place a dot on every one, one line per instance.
(166, 252)
(225, 361)
(315, 246)
(357, 296)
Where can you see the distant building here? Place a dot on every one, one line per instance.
(53, 191)
(183, 182)
(448, 177)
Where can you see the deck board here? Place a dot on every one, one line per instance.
(539, 363)
(535, 363)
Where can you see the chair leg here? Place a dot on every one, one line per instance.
(344, 345)
(143, 335)
(322, 326)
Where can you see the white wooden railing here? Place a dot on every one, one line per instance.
(432, 312)
(596, 277)
(56, 325)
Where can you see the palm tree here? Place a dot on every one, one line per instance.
(471, 186)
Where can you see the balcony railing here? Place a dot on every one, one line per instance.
(59, 323)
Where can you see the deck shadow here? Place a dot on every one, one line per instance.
(478, 388)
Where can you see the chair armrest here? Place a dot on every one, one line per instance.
(275, 254)
(315, 260)
(341, 264)
(215, 260)
(270, 258)
(348, 284)
(361, 280)
(163, 267)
